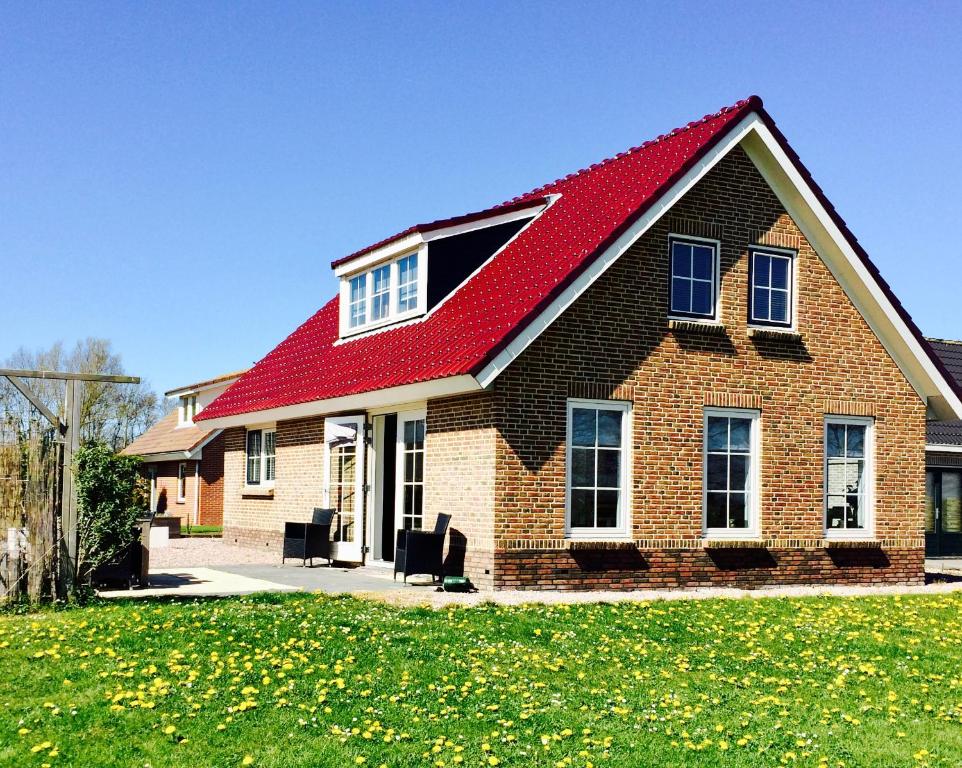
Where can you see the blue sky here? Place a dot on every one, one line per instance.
(177, 177)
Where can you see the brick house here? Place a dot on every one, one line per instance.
(943, 468)
(675, 367)
(184, 461)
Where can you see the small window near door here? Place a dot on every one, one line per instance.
(731, 469)
(848, 476)
(412, 474)
(181, 482)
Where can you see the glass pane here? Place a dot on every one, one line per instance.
(778, 311)
(761, 270)
(418, 506)
(382, 277)
(779, 273)
(680, 260)
(379, 306)
(419, 467)
(409, 433)
(582, 468)
(582, 509)
(836, 478)
(835, 440)
(717, 473)
(835, 514)
(701, 297)
(419, 434)
(717, 510)
(853, 475)
(607, 509)
(853, 515)
(703, 262)
(717, 433)
(408, 500)
(737, 513)
(930, 502)
(951, 502)
(608, 468)
(408, 467)
(738, 476)
(609, 428)
(680, 295)
(856, 441)
(760, 310)
(582, 426)
(741, 432)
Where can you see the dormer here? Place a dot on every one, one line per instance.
(193, 398)
(405, 277)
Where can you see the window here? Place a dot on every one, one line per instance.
(181, 482)
(730, 473)
(411, 456)
(407, 289)
(386, 293)
(261, 461)
(848, 466)
(358, 306)
(694, 278)
(597, 472)
(770, 302)
(380, 293)
(188, 409)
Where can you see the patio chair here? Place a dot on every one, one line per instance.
(305, 541)
(422, 551)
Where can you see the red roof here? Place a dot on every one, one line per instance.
(593, 207)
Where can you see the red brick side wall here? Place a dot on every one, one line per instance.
(166, 493)
(211, 510)
(615, 342)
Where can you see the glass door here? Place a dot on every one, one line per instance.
(943, 512)
(344, 483)
(409, 495)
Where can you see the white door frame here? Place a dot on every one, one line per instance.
(349, 551)
(403, 416)
(375, 481)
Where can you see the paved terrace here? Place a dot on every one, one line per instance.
(191, 567)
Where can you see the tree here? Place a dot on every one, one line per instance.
(112, 414)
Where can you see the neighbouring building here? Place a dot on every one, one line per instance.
(675, 367)
(184, 461)
(943, 468)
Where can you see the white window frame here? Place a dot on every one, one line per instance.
(623, 530)
(182, 482)
(715, 318)
(394, 315)
(792, 257)
(262, 481)
(186, 410)
(753, 496)
(849, 534)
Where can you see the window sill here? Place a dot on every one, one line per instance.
(599, 542)
(697, 326)
(257, 492)
(718, 542)
(779, 334)
(851, 542)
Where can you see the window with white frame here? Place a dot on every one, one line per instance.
(848, 476)
(693, 289)
(597, 467)
(770, 300)
(386, 293)
(188, 409)
(181, 482)
(261, 459)
(730, 472)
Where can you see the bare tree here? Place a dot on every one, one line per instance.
(110, 413)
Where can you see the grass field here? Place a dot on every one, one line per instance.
(308, 680)
(202, 530)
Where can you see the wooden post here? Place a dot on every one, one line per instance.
(68, 512)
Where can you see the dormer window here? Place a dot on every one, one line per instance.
(187, 410)
(386, 293)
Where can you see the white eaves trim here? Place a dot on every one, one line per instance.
(935, 448)
(405, 393)
(416, 239)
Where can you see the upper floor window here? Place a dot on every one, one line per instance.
(694, 278)
(598, 440)
(731, 468)
(385, 293)
(770, 300)
(848, 476)
(188, 409)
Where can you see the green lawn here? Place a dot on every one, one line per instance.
(201, 530)
(307, 680)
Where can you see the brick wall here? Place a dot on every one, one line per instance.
(166, 490)
(615, 342)
(459, 474)
(211, 510)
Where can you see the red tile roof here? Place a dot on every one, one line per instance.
(594, 206)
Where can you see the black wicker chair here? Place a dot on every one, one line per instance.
(305, 541)
(422, 551)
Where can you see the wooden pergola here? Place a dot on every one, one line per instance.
(69, 430)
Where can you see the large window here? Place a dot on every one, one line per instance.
(694, 278)
(730, 472)
(770, 300)
(383, 294)
(597, 473)
(261, 460)
(848, 476)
